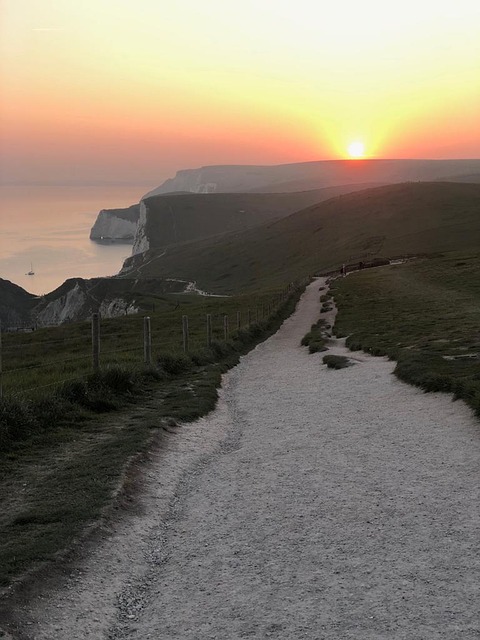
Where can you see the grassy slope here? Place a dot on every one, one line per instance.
(15, 303)
(418, 313)
(183, 217)
(385, 221)
(61, 463)
(57, 353)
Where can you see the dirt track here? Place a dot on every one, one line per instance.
(311, 504)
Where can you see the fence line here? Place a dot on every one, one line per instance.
(219, 326)
(147, 341)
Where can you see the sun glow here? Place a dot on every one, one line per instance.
(356, 149)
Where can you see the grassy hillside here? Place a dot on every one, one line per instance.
(184, 217)
(15, 304)
(424, 314)
(399, 219)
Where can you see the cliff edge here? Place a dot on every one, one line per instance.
(116, 224)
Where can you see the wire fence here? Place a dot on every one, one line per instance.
(35, 361)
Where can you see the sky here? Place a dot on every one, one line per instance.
(133, 90)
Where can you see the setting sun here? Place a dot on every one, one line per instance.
(356, 149)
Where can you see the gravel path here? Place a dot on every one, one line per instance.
(312, 503)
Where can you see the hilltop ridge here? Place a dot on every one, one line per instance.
(311, 175)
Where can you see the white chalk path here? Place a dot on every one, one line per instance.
(312, 503)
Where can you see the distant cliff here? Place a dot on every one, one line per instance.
(116, 224)
(312, 175)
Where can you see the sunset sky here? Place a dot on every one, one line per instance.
(132, 90)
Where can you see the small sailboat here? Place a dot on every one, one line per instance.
(31, 272)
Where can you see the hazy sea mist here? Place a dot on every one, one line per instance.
(49, 226)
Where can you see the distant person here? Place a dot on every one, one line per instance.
(343, 271)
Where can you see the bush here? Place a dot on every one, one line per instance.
(202, 357)
(22, 419)
(316, 345)
(74, 391)
(315, 339)
(174, 364)
(102, 391)
(154, 373)
(336, 362)
(220, 349)
(16, 421)
(117, 379)
(354, 343)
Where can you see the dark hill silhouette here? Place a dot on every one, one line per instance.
(176, 218)
(382, 222)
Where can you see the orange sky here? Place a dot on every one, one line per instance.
(134, 90)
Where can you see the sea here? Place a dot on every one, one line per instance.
(45, 229)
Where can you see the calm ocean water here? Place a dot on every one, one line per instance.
(49, 228)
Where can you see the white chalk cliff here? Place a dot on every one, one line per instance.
(116, 224)
(141, 243)
(66, 308)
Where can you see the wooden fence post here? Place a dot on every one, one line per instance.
(239, 321)
(1, 370)
(185, 333)
(96, 342)
(209, 329)
(225, 328)
(147, 341)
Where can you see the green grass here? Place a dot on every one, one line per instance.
(424, 314)
(62, 471)
(38, 361)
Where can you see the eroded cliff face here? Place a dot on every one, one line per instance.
(76, 299)
(141, 242)
(116, 224)
(66, 308)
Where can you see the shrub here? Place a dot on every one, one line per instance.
(16, 421)
(219, 349)
(154, 373)
(336, 362)
(117, 379)
(74, 391)
(174, 364)
(315, 339)
(202, 357)
(316, 345)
